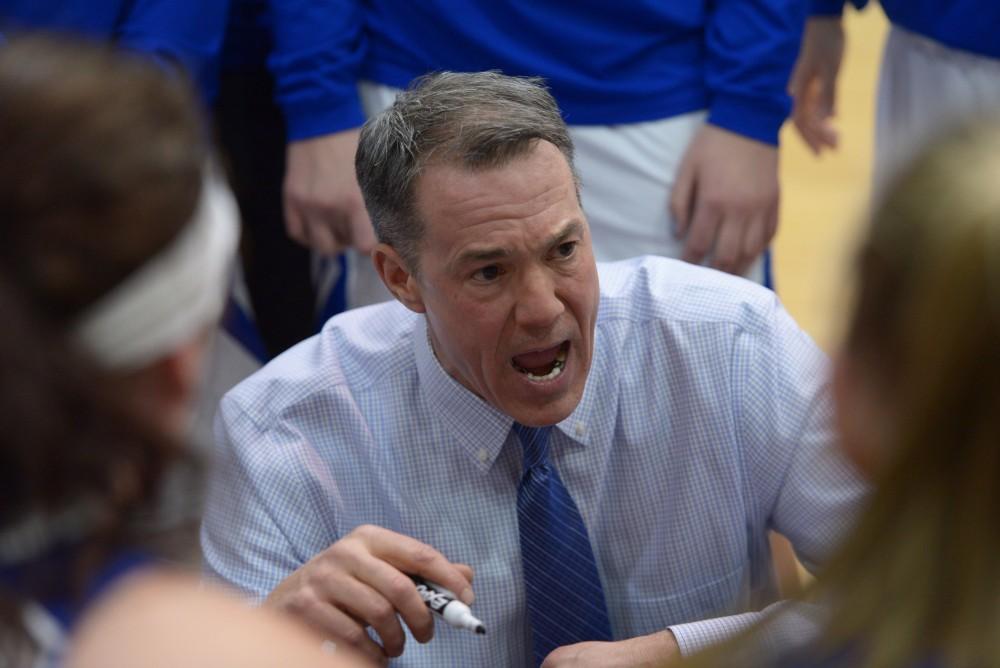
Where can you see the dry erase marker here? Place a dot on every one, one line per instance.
(447, 605)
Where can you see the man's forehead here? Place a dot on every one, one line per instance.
(447, 184)
(484, 250)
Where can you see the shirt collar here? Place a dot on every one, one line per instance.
(481, 430)
(590, 422)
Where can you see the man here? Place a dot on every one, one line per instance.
(413, 437)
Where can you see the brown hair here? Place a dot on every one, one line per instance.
(101, 167)
(918, 575)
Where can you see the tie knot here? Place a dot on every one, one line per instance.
(536, 444)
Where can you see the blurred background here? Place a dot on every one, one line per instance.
(823, 199)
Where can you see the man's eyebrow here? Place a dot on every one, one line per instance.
(481, 255)
(476, 255)
(570, 229)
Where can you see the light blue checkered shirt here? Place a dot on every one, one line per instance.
(704, 423)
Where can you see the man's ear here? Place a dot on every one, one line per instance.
(397, 277)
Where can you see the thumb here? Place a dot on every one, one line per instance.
(681, 197)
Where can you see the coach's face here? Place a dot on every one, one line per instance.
(508, 282)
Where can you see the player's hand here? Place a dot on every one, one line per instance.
(725, 199)
(324, 209)
(813, 84)
(361, 581)
(655, 650)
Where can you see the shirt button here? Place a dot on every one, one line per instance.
(484, 455)
(580, 430)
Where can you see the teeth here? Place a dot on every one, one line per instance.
(557, 368)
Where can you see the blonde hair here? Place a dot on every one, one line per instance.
(919, 576)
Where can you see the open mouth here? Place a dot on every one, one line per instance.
(542, 365)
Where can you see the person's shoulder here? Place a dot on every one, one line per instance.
(652, 288)
(356, 350)
(161, 618)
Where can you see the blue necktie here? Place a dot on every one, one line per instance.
(565, 599)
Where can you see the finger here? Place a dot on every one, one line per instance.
(805, 115)
(729, 245)
(331, 622)
(386, 592)
(466, 570)
(321, 235)
(411, 556)
(701, 235)
(771, 220)
(828, 135)
(823, 104)
(827, 94)
(682, 199)
(294, 223)
(369, 606)
(753, 241)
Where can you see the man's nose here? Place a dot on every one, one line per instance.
(538, 305)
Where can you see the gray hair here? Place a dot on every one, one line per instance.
(479, 120)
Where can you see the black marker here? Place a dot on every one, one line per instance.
(447, 605)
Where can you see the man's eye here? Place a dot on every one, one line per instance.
(566, 249)
(487, 274)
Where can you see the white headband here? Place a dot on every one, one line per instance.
(167, 301)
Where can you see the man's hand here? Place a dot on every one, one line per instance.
(814, 82)
(725, 200)
(361, 581)
(324, 209)
(652, 651)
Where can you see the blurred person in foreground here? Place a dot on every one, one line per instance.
(917, 388)
(117, 240)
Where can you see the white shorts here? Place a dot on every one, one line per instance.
(925, 87)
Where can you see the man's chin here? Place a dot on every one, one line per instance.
(549, 413)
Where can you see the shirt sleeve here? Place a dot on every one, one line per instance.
(751, 48)
(319, 46)
(179, 33)
(255, 502)
(832, 7)
(789, 626)
(803, 486)
(799, 483)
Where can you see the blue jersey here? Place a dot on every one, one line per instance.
(969, 25)
(606, 63)
(184, 33)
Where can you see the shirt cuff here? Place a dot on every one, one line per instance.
(321, 116)
(832, 8)
(826, 7)
(696, 636)
(757, 118)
